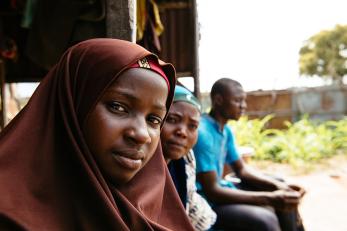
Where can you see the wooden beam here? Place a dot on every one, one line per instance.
(2, 95)
(121, 19)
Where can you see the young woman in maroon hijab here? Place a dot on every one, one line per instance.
(84, 154)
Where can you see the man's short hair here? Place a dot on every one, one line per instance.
(222, 85)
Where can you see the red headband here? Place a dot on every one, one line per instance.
(152, 65)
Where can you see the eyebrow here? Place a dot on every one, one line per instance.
(181, 115)
(175, 113)
(131, 97)
(195, 120)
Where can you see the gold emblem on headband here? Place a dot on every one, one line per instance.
(144, 63)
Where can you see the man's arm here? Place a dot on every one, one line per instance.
(261, 181)
(255, 179)
(223, 195)
(218, 194)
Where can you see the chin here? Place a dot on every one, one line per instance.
(121, 180)
(175, 156)
(236, 117)
(233, 118)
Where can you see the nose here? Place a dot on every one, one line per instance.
(181, 131)
(244, 105)
(137, 131)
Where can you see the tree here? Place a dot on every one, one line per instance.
(325, 54)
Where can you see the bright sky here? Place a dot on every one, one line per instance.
(258, 42)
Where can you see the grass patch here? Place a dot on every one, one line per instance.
(300, 145)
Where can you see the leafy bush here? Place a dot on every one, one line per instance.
(304, 141)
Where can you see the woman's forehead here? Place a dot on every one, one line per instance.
(182, 107)
(140, 85)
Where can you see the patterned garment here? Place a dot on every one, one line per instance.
(199, 211)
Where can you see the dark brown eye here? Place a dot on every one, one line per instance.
(171, 119)
(193, 126)
(155, 120)
(116, 107)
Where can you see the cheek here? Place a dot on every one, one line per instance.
(100, 132)
(92, 133)
(233, 107)
(165, 133)
(155, 137)
(193, 137)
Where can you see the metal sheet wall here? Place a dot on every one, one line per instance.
(177, 39)
(320, 103)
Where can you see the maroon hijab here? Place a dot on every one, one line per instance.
(48, 178)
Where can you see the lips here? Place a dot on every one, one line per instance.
(131, 160)
(175, 150)
(176, 145)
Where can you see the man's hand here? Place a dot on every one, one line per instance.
(298, 189)
(284, 200)
(291, 188)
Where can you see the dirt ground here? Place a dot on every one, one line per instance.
(324, 207)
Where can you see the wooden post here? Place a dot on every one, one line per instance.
(196, 68)
(2, 95)
(121, 19)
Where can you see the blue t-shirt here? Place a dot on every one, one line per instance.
(214, 148)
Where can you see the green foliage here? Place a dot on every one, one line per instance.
(325, 54)
(304, 141)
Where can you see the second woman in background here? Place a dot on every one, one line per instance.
(179, 134)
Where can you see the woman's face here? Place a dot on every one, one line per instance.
(180, 130)
(123, 130)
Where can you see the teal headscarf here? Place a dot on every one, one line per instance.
(182, 94)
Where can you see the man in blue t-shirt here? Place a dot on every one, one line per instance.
(259, 203)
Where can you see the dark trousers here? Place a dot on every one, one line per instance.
(241, 217)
